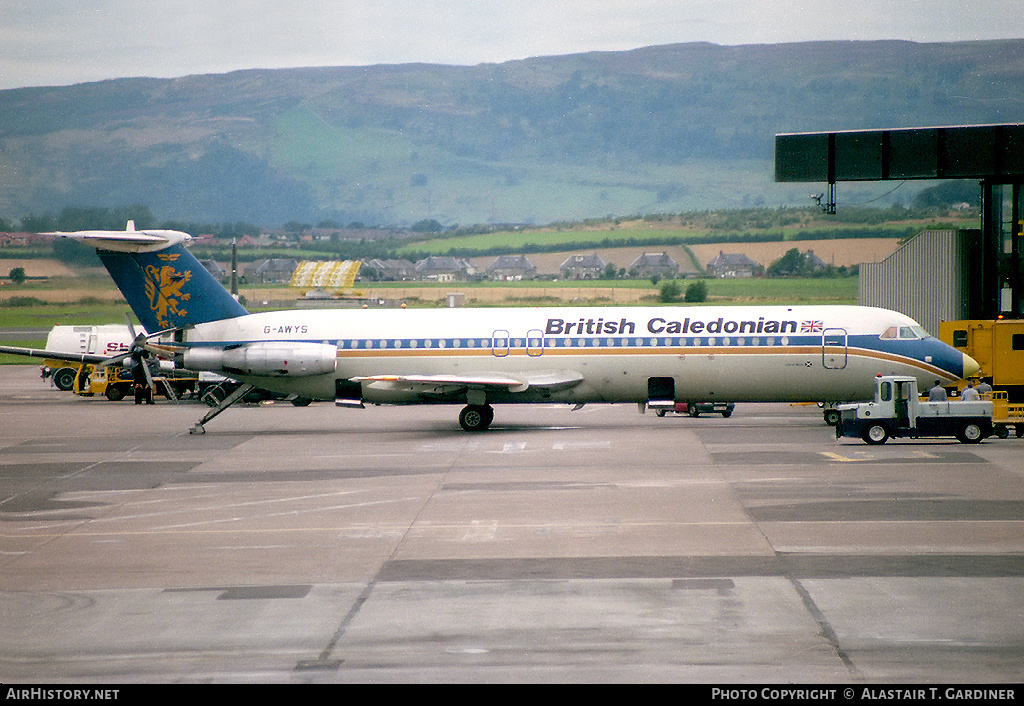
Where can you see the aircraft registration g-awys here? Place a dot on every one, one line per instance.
(652, 356)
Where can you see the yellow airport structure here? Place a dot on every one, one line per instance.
(997, 345)
(332, 277)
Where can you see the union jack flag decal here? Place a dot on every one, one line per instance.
(812, 327)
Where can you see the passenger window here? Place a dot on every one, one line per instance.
(889, 333)
(886, 391)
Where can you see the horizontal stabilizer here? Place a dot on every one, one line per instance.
(163, 283)
(130, 240)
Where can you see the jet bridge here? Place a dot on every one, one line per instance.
(991, 154)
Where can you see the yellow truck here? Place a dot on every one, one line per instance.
(998, 346)
(115, 383)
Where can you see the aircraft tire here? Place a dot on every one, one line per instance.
(476, 417)
(875, 434)
(831, 417)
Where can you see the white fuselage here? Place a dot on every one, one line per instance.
(759, 353)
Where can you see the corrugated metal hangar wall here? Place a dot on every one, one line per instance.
(927, 278)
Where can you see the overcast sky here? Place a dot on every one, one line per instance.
(59, 42)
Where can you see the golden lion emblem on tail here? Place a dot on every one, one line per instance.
(163, 287)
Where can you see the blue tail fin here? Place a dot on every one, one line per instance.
(169, 288)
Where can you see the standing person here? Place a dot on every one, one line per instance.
(937, 393)
(143, 391)
(970, 393)
(984, 386)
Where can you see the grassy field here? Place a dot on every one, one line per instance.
(519, 240)
(598, 292)
(6, 359)
(637, 232)
(49, 315)
(621, 292)
(842, 290)
(45, 316)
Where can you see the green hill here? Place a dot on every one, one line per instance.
(659, 129)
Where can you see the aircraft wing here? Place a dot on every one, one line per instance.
(54, 355)
(552, 381)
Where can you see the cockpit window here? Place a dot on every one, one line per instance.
(904, 333)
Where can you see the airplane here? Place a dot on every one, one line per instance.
(651, 356)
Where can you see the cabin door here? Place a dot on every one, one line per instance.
(661, 393)
(833, 348)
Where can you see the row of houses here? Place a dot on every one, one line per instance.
(516, 267)
(271, 271)
(727, 265)
(506, 268)
(456, 269)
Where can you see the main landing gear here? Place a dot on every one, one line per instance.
(476, 417)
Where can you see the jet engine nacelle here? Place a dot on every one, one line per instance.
(265, 359)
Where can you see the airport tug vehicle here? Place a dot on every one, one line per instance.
(897, 410)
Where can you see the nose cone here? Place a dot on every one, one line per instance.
(971, 366)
